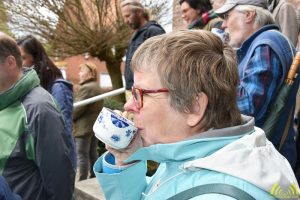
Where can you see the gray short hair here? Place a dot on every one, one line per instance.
(189, 62)
(263, 16)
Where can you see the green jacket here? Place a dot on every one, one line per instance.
(34, 156)
(85, 116)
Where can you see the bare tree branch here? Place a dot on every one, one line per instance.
(73, 27)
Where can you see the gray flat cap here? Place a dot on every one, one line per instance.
(230, 4)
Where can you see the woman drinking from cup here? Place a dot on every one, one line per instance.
(184, 105)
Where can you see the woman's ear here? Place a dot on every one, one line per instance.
(198, 110)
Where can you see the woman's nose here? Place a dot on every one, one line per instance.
(130, 105)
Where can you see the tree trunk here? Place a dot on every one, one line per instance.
(114, 71)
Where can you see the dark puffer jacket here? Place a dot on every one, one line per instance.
(151, 29)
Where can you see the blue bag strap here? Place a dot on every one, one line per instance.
(217, 188)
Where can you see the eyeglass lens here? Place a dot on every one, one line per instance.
(137, 97)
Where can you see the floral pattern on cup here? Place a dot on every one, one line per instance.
(115, 138)
(128, 133)
(118, 122)
(113, 129)
(100, 118)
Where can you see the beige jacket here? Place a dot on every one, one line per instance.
(85, 116)
(285, 16)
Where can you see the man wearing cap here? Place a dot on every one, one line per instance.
(264, 56)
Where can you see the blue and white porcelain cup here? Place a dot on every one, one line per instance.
(113, 129)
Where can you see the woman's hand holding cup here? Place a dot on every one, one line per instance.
(118, 133)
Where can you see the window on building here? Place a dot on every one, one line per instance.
(105, 81)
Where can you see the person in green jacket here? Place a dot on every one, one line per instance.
(184, 106)
(34, 151)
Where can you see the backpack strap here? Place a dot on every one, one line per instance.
(217, 188)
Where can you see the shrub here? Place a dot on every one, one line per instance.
(113, 104)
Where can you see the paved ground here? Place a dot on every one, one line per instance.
(88, 190)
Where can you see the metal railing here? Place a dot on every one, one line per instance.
(99, 97)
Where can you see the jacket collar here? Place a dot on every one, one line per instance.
(26, 83)
(64, 81)
(247, 43)
(87, 81)
(207, 142)
(143, 28)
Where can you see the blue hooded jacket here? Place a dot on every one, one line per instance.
(62, 91)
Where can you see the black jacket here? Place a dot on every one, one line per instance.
(151, 29)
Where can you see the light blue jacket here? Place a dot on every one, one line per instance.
(240, 156)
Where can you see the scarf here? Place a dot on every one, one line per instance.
(200, 22)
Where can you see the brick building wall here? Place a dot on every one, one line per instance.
(71, 67)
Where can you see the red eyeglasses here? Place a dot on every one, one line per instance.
(138, 93)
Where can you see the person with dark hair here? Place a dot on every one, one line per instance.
(51, 79)
(137, 17)
(34, 150)
(199, 14)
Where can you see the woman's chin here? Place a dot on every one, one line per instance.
(145, 143)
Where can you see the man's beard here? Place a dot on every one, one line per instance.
(136, 24)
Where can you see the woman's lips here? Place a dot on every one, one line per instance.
(139, 130)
